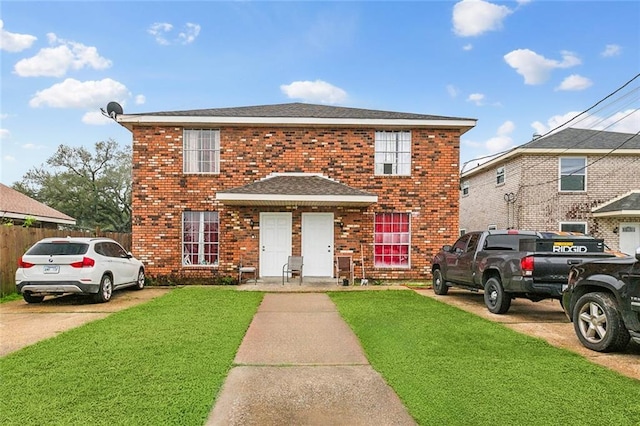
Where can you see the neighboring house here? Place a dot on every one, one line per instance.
(16, 208)
(216, 187)
(573, 180)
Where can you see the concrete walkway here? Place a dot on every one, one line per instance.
(300, 364)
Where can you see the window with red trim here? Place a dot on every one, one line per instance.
(392, 239)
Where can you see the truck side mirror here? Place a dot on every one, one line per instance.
(446, 248)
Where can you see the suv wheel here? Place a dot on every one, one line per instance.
(105, 290)
(497, 301)
(29, 298)
(439, 286)
(140, 281)
(598, 323)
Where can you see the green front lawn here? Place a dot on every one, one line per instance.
(451, 367)
(161, 363)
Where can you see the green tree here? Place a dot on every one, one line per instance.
(92, 187)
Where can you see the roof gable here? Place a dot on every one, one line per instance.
(625, 205)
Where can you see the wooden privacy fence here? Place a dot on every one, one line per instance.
(15, 240)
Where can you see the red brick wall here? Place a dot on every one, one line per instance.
(161, 192)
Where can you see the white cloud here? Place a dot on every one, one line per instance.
(476, 98)
(58, 60)
(452, 90)
(9, 158)
(95, 118)
(30, 146)
(14, 42)
(4, 133)
(574, 82)
(503, 139)
(535, 68)
(162, 30)
(622, 121)
(475, 17)
(467, 47)
(611, 50)
(140, 99)
(314, 91)
(72, 93)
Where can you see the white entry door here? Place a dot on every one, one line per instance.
(317, 244)
(275, 243)
(629, 237)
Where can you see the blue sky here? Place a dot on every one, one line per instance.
(519, 67)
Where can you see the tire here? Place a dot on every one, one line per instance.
(439, 286)
(598, 324)
(497, 301)
(140, 282)
(105, 291)
(29, 298)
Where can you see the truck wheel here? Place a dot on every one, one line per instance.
(439, 286)
(598, 323)
(497, 301)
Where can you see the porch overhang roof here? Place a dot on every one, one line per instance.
(296, 189)
(627, 205)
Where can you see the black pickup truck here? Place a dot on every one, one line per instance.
(602, 298)
(507, 264)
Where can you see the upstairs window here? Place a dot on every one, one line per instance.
(500, 175)
(200, 238)
(392, 240)
(393, 153)
(465, 188)
(573, 174)
(201, 150)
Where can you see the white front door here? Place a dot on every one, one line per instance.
(275, 243)
(317, 244)
(629, 237)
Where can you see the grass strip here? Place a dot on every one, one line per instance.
(451, 367)
(155, 364)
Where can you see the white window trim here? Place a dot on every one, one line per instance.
(503, 174)
(560, 175)
(465, 186)
(585, 224)
(396, 163)
(408, 244)
(216, 152)
(201, 243)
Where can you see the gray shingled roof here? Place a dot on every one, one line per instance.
(296, 189)
(16, 205)
(630, 202)
(300, 110)
(585, 139)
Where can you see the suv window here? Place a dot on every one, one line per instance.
(55, 248)
(115, 250)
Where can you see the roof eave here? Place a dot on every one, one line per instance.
(618, 213)
(47, 219)
(129, 121)
(295, 200)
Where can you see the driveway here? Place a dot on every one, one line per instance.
(545, 320)
(22, 324)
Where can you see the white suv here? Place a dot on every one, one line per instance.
(92, 266)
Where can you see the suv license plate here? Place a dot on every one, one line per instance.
(51, 269)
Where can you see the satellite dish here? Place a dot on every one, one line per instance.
(114, 109)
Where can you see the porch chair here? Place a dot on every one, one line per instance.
(344, 268)
(294, 265)
(247, 269)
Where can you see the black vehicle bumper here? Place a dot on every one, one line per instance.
(526, 285)
(56, 287)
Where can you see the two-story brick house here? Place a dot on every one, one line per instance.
(215, 187)
(573, 180)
